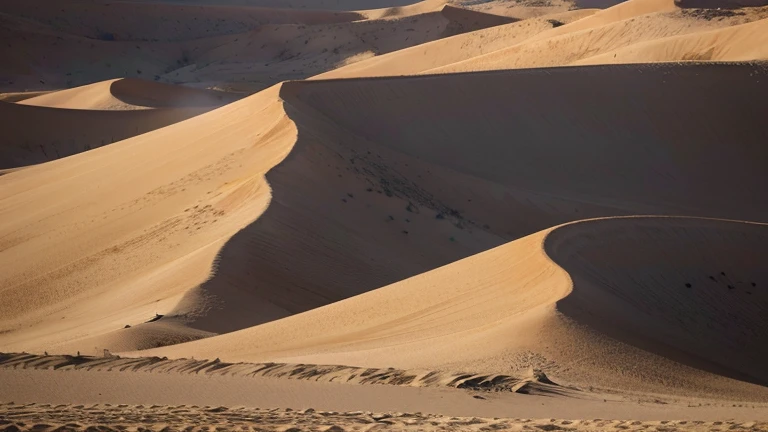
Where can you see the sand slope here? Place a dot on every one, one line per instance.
(629, 24)
(93, 116)
(363, 201)
(243, 48)
(144, 198)
(130, 93)
(453, 49)
(737, 43)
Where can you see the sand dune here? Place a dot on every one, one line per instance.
(240, 48)
(129, 93)
(633, 23)
(453, 49)
(524, 298)
(272, 54)
(392, 202)
(69, 131)
(737, 43)
(443, 219)
(151, 192)
(85, 118)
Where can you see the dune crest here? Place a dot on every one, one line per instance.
(131, 93)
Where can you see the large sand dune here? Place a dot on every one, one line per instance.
(92, 116)
(130, 93)
(500, 209)
(388, 202)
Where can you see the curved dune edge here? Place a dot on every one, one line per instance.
(532, 312)
(240, 192)
(131, 93)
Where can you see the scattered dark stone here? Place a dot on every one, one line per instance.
(408, 220)
(555, 23)
(439, 216)
(722, 273)
(390, 217)
(478, 397)
(687, 285)
(713, 278)
(350, 195)
(343, 200)
(405, 232)
(730, 287)
(156, 317)
(754, 284)
(369, 190)
(127, 326)
(749, 292)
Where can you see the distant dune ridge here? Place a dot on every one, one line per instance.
(88, 117)
(480, 200)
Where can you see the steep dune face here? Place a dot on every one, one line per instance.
(396, 190)
(688, 289)
(115, 235)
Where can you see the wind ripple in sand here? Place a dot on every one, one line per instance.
(33, 417)
(535, 382)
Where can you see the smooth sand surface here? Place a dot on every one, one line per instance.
(129, 93)
(406, 193)
(477, 213)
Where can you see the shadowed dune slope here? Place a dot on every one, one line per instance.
(113, 236)
(130, 93)
(386, 179)
(600, 302)
(409, 174)
(71, 131)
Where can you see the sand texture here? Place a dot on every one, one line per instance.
(330, 215)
